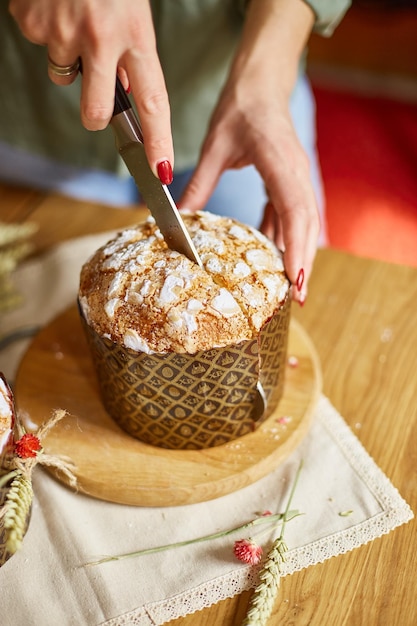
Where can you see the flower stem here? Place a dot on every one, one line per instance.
(287, 511)
(223, 533)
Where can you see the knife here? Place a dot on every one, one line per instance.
(129, 142)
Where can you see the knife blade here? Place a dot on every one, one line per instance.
(129, 142)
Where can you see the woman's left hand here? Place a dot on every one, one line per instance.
(252, 125)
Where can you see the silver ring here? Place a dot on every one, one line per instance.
(63, 70)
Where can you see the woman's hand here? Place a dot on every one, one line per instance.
(252, 125)
(109, 36)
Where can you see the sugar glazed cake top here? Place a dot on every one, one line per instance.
(137, 292)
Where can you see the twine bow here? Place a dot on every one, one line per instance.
(28, 454)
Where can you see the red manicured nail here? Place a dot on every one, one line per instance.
(128, 89)
(165, 172)
(300, 279)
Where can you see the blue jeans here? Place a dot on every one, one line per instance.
(239, 193)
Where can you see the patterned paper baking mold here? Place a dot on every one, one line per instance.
(183, 401)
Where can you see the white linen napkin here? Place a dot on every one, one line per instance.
(346, 501)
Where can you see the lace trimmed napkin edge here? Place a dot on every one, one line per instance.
(396, 512)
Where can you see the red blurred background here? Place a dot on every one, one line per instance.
(365, 82)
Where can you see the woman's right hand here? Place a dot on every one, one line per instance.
(109, 36)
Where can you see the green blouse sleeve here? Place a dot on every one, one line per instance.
(328, 14)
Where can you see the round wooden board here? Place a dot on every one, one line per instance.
(57, 373)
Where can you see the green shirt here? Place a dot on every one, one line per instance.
(196, 41)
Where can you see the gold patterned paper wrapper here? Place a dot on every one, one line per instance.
(183, 401)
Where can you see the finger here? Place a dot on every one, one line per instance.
(212, 163)
(124, 79)
(97, 91)
(267, 226)
(147, 85)
(295, 234)
(271, 226)
(293, 199)
(32, 28)
(63, 67)
(199, 188)
(300, 229)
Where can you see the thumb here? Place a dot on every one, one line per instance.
(201, 184)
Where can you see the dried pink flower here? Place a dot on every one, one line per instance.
(292, 361)
(247, 551)
(285, 419)
(27, 446)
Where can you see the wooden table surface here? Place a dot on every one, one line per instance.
(360, 315)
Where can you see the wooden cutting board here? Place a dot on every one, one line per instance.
(57, 373)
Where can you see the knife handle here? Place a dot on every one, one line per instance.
(121, 101)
